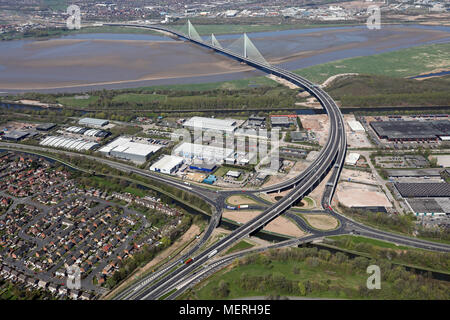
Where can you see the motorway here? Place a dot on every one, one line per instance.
(334, 149)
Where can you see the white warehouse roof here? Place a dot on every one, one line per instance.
(203, 123)
(202, 152)
(68, 143)
(352, 158)
(93, 122)
(167, 163)
(126, 147)
(356, 126)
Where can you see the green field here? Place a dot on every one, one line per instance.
(207, 29)
(429, 260)
(400, 63)
(225, 85)
(309, 272)
(242, 245)
(138, 98)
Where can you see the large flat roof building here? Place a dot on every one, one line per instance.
(280, 121)
(92, 122)
(77, 144)
(126, 148)
(356, 126)
(423, 190)
(203, 123)
(14, 135)
(201, 152)
(167, 164)
(411, 130)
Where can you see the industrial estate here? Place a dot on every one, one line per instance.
(281, 186)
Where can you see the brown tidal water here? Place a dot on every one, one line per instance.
(95, 61)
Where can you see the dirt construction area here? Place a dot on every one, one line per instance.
(360, 195)
(321, 221)
(298, 168)
(358, 176)
(279, 225)
(318, 124)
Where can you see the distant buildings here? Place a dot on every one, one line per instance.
(92, 122)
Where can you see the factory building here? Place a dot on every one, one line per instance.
(92, 122)
(219, 125)
(167, 164)
(411, 130)
(88, 132)
(126, 148)
(209, 154)
(298, 136)
(76, 144)
(45, 126)
(282, 121)
(15, 135)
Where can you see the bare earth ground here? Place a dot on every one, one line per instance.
(284, 82)
(317, 123)
(237, 200)
(321, 221)
(191, 233)
(359, 195)
(299, 167)
(358, 176)
(443, 160)
(317, 193)
(279, 225)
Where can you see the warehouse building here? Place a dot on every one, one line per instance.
(204, 153)
(255, 121)
(298, 136)
(92, 122)
(126, 148)
(280, 121)
(45, 126)
(429, 207)
(204, 167)
(233, 173)
(219, 125)
(167, 164)
(88, 132)
(15, 135)
(356, 126)
(411, 130)
(423, 190)
(352, 158)
(76, 144)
